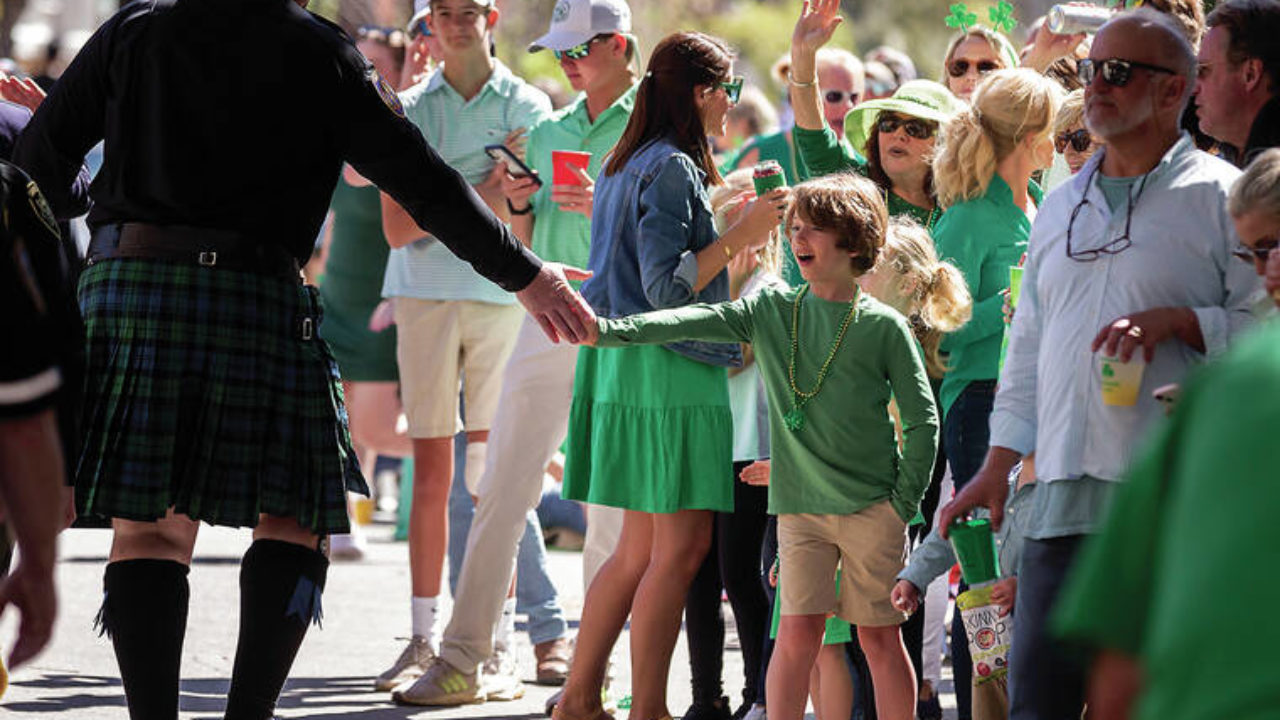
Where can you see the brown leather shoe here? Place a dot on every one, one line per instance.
(553, 658)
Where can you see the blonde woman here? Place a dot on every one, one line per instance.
(982, 173)
(1071, 139)
(972, 55)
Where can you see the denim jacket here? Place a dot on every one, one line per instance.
(650, 220)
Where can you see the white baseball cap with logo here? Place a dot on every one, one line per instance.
(574, 22)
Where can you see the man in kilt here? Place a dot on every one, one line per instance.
(209, 395)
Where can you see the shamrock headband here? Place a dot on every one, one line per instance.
(1001, 17)
(1002, 21)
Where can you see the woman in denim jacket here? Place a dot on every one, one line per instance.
(650, 426)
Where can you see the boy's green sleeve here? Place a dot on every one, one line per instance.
(919, 414)
(822, 153)
(719, 322)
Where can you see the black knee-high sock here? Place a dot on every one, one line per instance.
(280, 586)
(144, 611)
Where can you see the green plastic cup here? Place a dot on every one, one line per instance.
(1015, 285)
(975, 547)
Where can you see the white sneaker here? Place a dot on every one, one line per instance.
(413, 661)
(499, 677)
(757, 712)
(348, 547)
(442, 686)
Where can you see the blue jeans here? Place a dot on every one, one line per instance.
(967, 430)
(1045, 683)
(535, 594)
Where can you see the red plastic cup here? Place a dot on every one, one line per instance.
(562, 164)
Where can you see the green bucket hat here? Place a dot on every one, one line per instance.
(924, 99)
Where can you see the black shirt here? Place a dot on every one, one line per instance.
(237, 115)
(38, 319)
(1264, 133)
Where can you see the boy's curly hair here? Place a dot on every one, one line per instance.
(848, 205)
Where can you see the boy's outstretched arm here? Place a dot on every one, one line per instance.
(719, 322)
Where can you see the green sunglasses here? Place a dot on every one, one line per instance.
(732, 87)
(579, 51)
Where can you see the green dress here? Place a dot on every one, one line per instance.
(352, 287)
(678, 407)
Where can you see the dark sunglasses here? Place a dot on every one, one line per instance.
(960, 68)
(914, 127)
(579, 51)
(1259, 252)
(839, 96)
(1115, 72)
(1080, 140)
(419, 29)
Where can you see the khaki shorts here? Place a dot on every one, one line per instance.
(441, 342)
(870, 546)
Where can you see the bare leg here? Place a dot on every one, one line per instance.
(429, 516)
(373, 409)
(172, 537)
(834, 697)
(680, 542)
(604, 613)
(891, 671)
(799, 641)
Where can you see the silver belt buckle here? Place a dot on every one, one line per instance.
(208, 258)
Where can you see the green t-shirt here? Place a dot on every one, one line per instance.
(1116, 190)
(1180, 575)
(846, 457)
(560, 236)
(982, 237)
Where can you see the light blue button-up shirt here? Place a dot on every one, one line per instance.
(1050, 397)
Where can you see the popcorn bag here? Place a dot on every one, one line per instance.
(989, 636)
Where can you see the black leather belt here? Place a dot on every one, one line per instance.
(206, 247)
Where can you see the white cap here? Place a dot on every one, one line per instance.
(574, 22)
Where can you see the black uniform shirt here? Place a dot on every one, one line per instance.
(237, 115)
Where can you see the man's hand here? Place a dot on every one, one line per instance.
(579, 198)
(557, 307)
(905, 597)
(19, 91)
(1003, 593)
(818, 22)
(989, 488)
(518, 190)
(1148, 329)
(29, 588)
(756, 474)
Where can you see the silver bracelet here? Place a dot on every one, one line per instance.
(792, 79)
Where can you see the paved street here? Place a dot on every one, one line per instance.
(365, 610)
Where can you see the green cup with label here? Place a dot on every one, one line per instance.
(975, 547)
(1015, 285)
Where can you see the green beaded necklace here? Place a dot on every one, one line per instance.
(794, 420)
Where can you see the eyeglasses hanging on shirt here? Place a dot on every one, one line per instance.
(1119, 244)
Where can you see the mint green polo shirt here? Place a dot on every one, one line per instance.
(560, 236)
(458, 129)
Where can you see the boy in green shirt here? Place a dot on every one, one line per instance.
(831, 359)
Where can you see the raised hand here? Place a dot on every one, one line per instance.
(818, 22)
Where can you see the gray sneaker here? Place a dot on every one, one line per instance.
(417, 655)
(499, 677)
(441, 685)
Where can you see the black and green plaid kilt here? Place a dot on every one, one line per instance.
(202, 394)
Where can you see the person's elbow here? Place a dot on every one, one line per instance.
(668, 292)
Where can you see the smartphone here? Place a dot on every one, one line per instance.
(515, 166)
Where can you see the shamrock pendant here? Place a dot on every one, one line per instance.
(794, 420)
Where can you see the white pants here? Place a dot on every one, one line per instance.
(604, 526)
(530, 424)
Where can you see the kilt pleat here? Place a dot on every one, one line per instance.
(203, 395)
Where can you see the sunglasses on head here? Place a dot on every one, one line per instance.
(579, 51)
(1114, 71)
(1259, 252)
(1080, 140)
(419, 29)
(914, 127)
(960, 68)
(839, 96)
